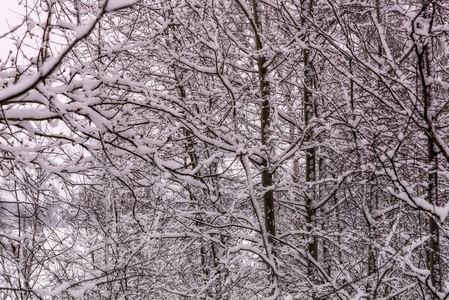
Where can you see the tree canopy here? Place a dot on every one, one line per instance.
(225, 149)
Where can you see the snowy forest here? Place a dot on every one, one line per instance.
(225, 149)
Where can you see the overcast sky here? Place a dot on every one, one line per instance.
(9, 14)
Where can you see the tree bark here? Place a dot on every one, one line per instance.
(265, 123)
(310, 176)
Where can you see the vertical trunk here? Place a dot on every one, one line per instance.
(265, 127)
(432, 194)
(424, 51)
(312, 247)
(265, 123)
(310, 161)
(372, 228)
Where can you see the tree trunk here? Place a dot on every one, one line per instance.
(434, 244)
(309, 109)
(424, 53)
(265, 123)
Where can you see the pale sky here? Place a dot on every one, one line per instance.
(9, 13)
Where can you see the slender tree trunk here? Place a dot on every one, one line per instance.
(265, 124)
(424, 51)
(310, 162)
(432, 194)
(310, 196)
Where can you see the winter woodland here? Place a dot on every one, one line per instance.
(225, 149)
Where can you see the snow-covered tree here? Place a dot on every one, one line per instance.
(234, 149)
